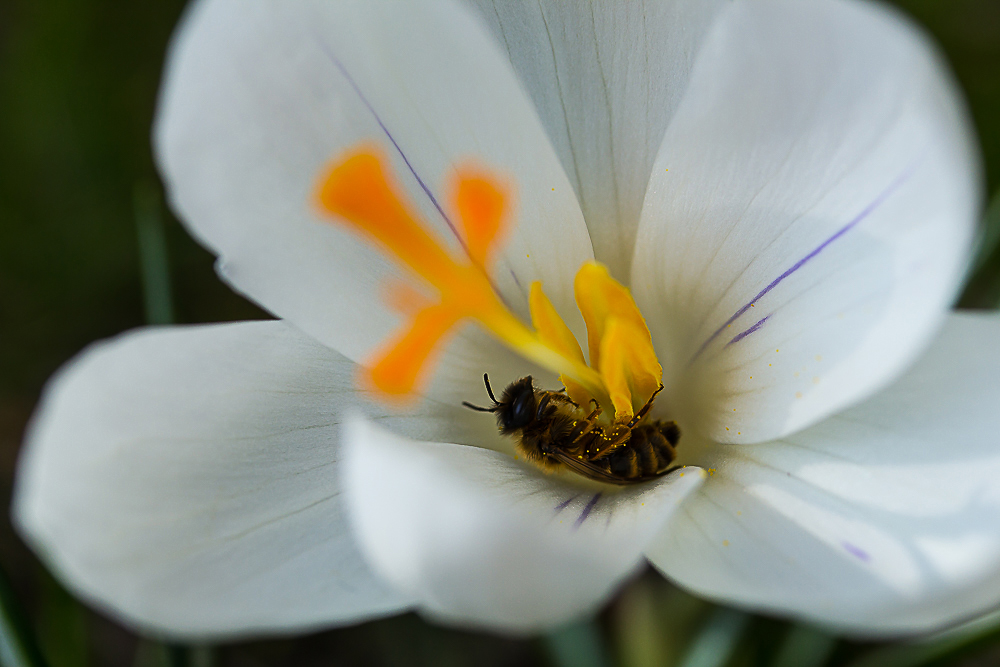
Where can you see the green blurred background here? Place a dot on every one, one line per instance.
(82, 219)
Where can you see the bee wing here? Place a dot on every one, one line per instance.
(594, 472)
(587, 469)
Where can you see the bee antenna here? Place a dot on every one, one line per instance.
(477, 408)
(489, 389)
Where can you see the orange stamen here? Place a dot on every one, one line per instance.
(360, 193)
(359, 190)
(404, 297)
(480, 204)
(403, 360)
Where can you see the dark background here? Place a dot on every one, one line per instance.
(78, 83)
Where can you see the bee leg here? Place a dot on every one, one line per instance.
(645, 409)
(590, 421)
(618, 437)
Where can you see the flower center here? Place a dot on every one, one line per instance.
(360, 192)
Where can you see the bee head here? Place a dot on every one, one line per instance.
(516, 407)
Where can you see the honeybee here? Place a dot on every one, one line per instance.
(552, 432)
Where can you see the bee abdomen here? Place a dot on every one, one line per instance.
(669, 430)
(664, 439)
(624, 462)
(649, 451)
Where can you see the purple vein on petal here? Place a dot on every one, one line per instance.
(378, 119)
(561, 506)
(740, 336)
(878, 201)
(856, 551)
(588, 509)
(516, 280)
(423, 185)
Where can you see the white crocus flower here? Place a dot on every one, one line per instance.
(789, 189)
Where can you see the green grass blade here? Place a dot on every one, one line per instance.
(578, 645)
(153, 259)
(715, 644)
(18, 647)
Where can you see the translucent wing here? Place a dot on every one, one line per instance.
(588, 469)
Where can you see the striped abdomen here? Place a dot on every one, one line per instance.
(648, 453)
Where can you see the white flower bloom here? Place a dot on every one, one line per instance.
(789, 188)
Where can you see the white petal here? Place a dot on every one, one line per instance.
(606, 79)
(260, 96)
(882, 519)
(186, 480)
(483, 540)
(815, 219)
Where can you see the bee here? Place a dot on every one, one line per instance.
(552, 431)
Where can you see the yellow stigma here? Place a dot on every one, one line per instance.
(360, 193)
